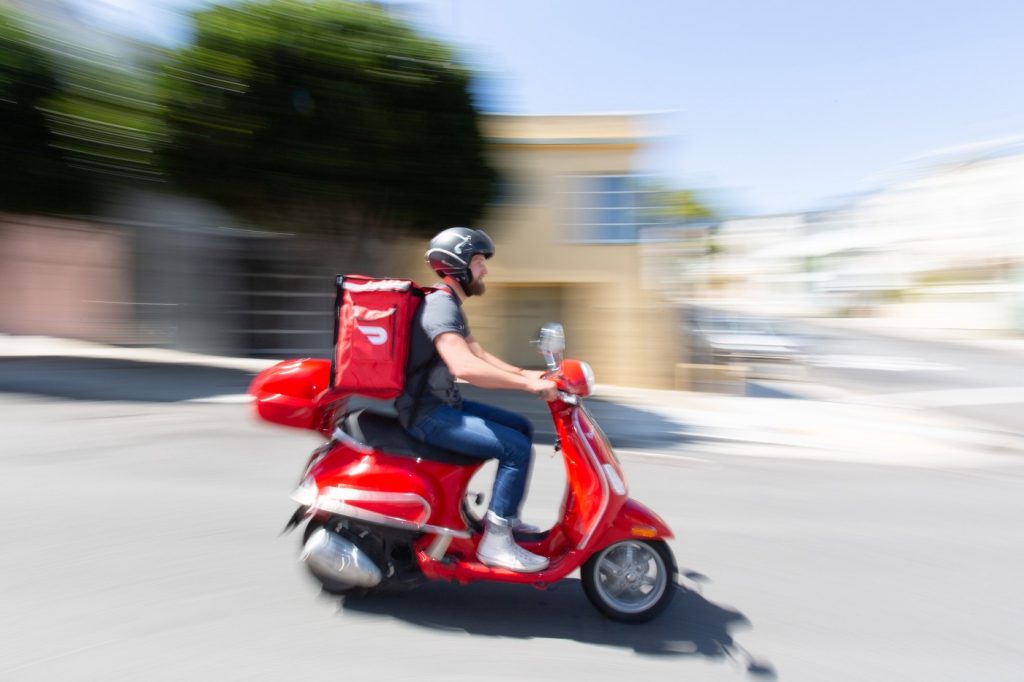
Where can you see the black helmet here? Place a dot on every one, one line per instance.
(451, 250)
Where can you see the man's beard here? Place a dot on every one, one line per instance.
(476, 288)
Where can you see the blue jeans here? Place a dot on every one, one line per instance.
(486, 432)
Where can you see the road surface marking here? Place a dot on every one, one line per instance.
(643, 454)
(879, 363)
(54, 657)
(230, 399)
(955, 397)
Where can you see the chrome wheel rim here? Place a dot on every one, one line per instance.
(630, 576)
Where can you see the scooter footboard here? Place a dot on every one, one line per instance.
(635, 522)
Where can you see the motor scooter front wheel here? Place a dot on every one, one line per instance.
(631, 581)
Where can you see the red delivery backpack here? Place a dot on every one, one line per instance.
(372, 328)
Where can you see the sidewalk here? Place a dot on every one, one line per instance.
(819, 429)
(894, 328)
(678, 422)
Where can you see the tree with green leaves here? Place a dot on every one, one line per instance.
(685, 206)
(35, 173)
(106, 119)
(323, 116)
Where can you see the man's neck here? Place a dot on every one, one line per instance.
(455, 287)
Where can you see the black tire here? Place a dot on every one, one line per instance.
(615, 578)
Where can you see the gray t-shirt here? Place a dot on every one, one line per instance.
(428, 381)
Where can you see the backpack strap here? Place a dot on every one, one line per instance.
(339, 287)
(417, 401)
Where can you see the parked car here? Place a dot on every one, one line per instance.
(718, 338)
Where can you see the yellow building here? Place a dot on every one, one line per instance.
(567, 230)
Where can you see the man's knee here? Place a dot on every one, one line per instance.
(519, 423)
(523, 425)
(519, 451)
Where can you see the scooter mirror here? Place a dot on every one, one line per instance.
(551, 343)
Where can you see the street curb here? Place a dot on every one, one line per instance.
(681, 419)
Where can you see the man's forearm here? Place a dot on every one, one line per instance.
(478, 350)
(499, 363)
(482, 373)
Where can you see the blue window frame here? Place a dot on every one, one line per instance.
(611, 209)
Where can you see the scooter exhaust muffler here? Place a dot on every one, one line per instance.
(335, 560)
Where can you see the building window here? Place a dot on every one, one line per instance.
(609, 208)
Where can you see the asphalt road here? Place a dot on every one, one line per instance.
(141, 541)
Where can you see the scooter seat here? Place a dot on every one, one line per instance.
(383, 432)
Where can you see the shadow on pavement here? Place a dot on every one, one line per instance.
(692, 626)
(77, 378)
(626, 426)
(754, 389)
(102, 379)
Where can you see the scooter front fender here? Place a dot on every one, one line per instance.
(634, 522)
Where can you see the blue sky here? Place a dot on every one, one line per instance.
(772, 105)
(777, 105)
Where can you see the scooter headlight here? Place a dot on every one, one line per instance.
(588, 375)
(578, 377)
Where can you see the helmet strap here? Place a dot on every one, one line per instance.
(466, 282)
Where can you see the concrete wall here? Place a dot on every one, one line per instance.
(65, 278)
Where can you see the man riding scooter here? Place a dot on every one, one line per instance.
(432, 410)
(381, 508)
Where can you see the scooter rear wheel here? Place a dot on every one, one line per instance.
(631, 581)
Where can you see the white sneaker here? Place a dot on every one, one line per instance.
(497, 548)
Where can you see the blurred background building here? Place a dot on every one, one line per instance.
(940, 246)
(173, 254)
(571, 223)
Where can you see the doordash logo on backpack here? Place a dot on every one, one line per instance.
(378, 336)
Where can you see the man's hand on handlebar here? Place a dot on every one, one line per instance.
(542, 388)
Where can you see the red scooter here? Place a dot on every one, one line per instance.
(384, 510)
